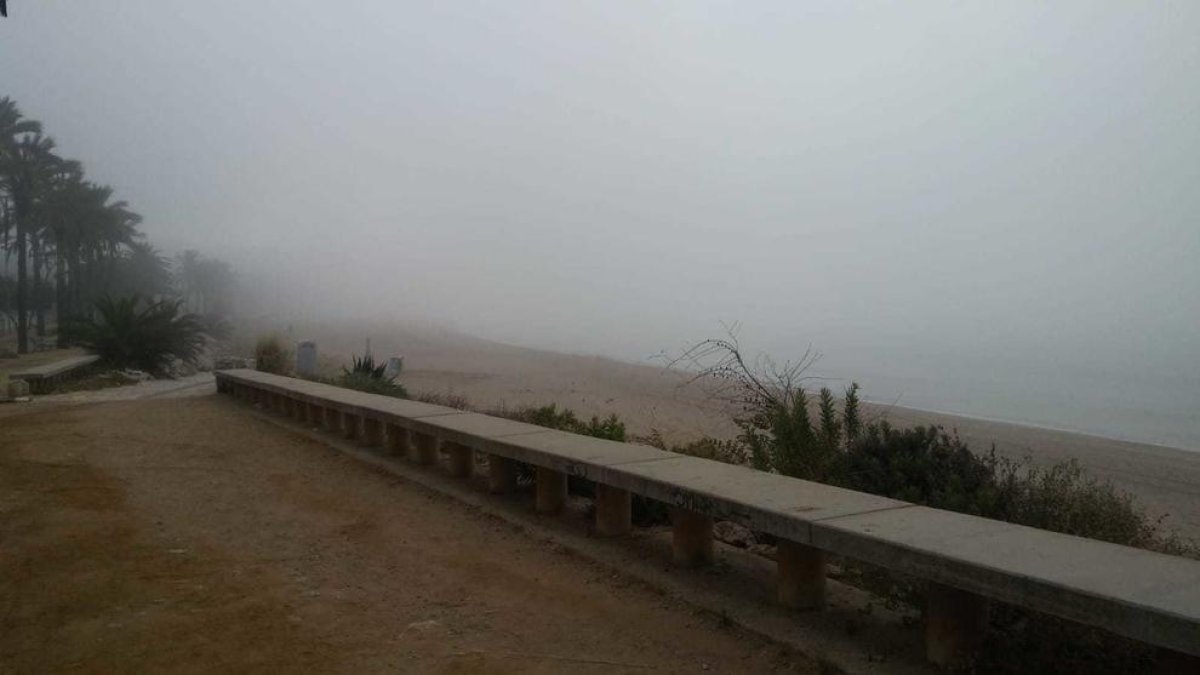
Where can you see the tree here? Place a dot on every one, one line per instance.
(28, 166)
(23, 153)
(75, 243)
(206, 284)
(132, 332)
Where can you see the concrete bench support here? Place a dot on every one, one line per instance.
(316, 415)
(332, 420)
(551, 488)
(692, 538)
(349, 425)
(427, 447)
(397, 440)
(955, 622)
(461, 459)
(614, 511)
(502, 475)
(372, 433)
(801, 575)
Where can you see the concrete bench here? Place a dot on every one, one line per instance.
(1146, 596)
(40, 378)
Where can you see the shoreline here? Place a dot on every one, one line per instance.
(1030, 425)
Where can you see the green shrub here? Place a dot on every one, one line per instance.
(371, 385)
(726, 451)
(365, 367)
(551, 416)
(271, 355)
(136, 333)
(923, 465)
(364, 375)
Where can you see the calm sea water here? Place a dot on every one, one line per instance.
(1162, 409)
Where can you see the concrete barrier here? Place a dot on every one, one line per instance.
(42, 378)
(967, 560)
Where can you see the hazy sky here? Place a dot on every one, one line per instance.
(897, 183)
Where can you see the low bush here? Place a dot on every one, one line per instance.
(364, 375)
(551, 416)
(137, 333)
(271, 355)
(448, 399)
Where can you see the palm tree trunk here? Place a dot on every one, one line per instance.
(76, 281)
(60, 289)
(22, 290)
(38, 266)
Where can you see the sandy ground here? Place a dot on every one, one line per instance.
(186, 534)
(648, 397)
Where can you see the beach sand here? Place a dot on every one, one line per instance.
(653, 398)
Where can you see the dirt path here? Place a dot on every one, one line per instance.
(188, 535)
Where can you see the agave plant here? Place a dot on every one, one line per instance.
(365, 367)
(364, 375)
(133, 332)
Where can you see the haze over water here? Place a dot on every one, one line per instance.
(989, 210)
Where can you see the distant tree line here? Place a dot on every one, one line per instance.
(74, 243)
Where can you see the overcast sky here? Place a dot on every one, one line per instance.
(986, 182)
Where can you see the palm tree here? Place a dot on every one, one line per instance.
(28, 165)
(17, 141)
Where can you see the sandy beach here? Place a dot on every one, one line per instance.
(653, 398)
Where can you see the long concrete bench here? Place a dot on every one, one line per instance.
(1143, 595)
(42, 377)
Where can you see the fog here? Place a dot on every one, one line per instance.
(934, 190)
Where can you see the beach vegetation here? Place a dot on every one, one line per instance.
(367, 376)
(136, 333)
(449, 399)
(272, 355)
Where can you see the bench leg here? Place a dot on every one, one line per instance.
(614, 511)
(801, 575)
(332, 420)
(427, 447)
(502, 475)
(372, 433)
(462, 459)
(692, 538)
(551, 488)
(316, 415)
(397, 440)
(955, 621)
(349, 425)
